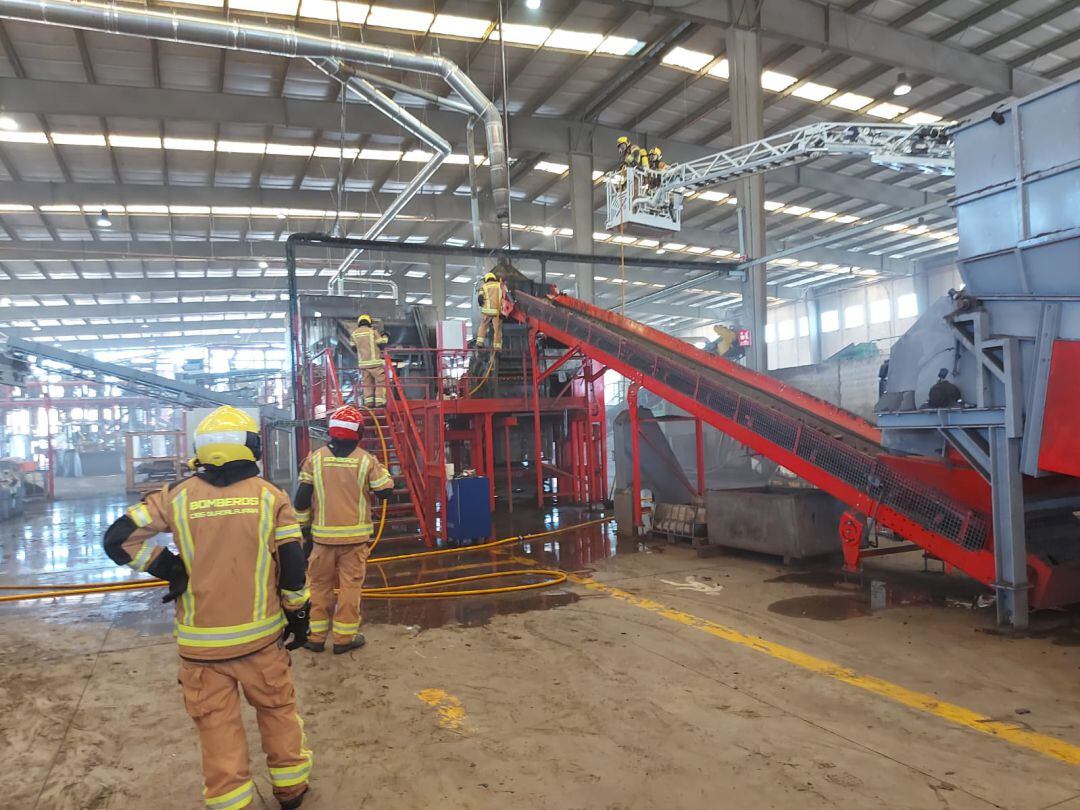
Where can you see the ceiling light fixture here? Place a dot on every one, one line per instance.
(103, 220)
(532, 5)
(7, 122)
(903, 86)
(263, 265)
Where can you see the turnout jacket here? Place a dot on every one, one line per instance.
(241, 546)
(334, 495)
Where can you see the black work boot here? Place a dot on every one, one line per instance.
(355, 644)
(293, 803)
(314, 646)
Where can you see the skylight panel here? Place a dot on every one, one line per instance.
(400, 18)
(886, 110)
(522, 34)
(453, 26)
(813, 92)
(284, 7)
(289, 149)
(776, 82)
(18, 136)
(191, 144)
(574, 40)
(78, 138)
(687, 59)
(620, 46)
(721, 70)
(552, 168)
(919, 118)
(355, 13)
(135, 141)
(851, 101)
(242, 147)
(380, 154)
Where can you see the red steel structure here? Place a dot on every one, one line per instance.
(940, 505)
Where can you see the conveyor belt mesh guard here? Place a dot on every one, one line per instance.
(865, 472)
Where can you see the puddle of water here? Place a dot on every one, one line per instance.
(473, 611)
(823, 608)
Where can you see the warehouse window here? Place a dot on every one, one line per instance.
(830, 320)
(854, 316)
(770, 333)
(907, 306)
(786, 330)
(804, 326)
(880, 310)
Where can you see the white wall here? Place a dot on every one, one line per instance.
(892, 302)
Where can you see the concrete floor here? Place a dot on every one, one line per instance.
(665, 685)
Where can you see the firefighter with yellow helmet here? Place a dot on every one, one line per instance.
(369, 342)
(490, 299)
(239, 583)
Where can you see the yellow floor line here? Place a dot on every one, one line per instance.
(1033, 741)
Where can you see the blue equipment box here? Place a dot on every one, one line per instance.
(468, 513)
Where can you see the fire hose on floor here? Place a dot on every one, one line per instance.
(549, 577)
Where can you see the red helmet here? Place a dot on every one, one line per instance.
(346, 423)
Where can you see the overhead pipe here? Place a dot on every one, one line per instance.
(242, 36)
(399, 115)
(451, 104)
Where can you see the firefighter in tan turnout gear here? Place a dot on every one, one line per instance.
(491, 300)
(369, 342)
(238, 583)
(334, 497)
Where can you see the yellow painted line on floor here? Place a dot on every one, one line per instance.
(451, 713)
(1033, 741)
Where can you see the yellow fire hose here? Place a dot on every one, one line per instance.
(386, 464)
(412, 591)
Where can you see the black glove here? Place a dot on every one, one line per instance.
(383, 494)
(170, 567)
(298, 627)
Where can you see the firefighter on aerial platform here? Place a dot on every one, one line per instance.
(633, 156)
(369, 342)
(656, 164)
(490, 299)
(238, 582)
(334, 500)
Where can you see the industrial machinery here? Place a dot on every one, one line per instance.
(653, 200)
(1010, 340)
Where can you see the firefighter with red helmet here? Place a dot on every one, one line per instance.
(334, 501)
(239, 586)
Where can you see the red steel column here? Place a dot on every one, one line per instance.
(700, 439)
(635, 454)
(538, 460)
(489, 456)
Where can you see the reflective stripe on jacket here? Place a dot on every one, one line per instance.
(367, 342)
(341, 502)
(228, 539)
(492, 293)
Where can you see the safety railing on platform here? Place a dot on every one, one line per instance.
(424, 488)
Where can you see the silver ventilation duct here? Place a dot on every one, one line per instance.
(242, 36)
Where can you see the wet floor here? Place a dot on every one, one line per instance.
(60, 543)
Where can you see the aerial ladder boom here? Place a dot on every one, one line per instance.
(654, 199)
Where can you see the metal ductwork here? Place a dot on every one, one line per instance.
(241, 36)
(399, 115)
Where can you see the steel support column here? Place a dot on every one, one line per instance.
(538, 461)
(1010, 541)
(813, 320)
(581, 207)
(699, 443)
(748, 124)
(437, 271)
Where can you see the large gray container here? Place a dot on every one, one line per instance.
(794, 524)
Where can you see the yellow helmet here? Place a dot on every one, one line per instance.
(228, 434)
(623, 141)
(655, 151)
(490, 277)
(363, 320)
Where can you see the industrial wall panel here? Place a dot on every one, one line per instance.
(988, 223)
(1060, 446)
(1050, 129)
(985, 155)
(1053, 203)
